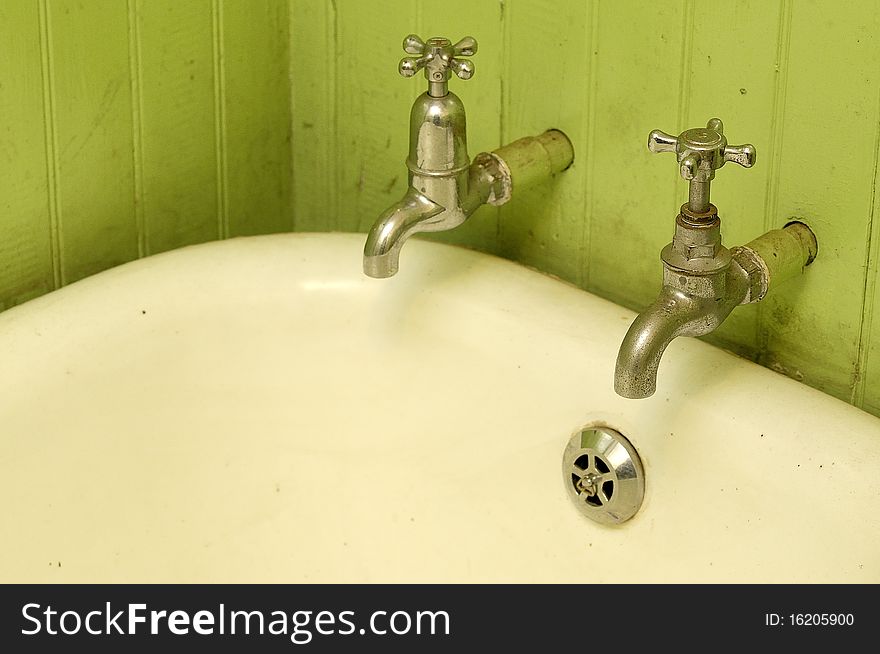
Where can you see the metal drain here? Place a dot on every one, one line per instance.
(603, 475)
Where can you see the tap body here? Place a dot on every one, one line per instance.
(702, 283)
(446, 187)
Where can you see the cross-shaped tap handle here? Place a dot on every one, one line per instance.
(702, 151)
(438, 56)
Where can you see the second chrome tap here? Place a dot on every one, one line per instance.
(703, 281)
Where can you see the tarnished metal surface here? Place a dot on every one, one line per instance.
(603, 475)
(700, 152)
(702, 280)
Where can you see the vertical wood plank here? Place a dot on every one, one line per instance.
(867, 393)
(135, 75)
(174, 73)
(50, 131)
(632, 216)
(220, 131)
(812, 326)
(26, 267)
(313, 74)
(256, 115)
(553, 218)
(92, 112)
(372, 109)
(737, 80)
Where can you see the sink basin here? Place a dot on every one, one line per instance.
(259, 410)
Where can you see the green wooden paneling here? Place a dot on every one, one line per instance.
(867, 377)
(253, 48)
(825, 177)
(541, 221)
(371, 109)
(26, 259)
(173, 75)
(868, 382)
(313, 66)
(91, 114)
(640, 68)
(136, 126)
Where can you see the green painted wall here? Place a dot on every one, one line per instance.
(132, 127)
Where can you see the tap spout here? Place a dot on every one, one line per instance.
(694, 304)
(674, 313)
(400, 221)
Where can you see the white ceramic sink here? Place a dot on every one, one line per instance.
(259, 410)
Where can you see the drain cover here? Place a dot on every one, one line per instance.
(603, 475)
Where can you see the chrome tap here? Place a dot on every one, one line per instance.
(703, 281)
(445, 187)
